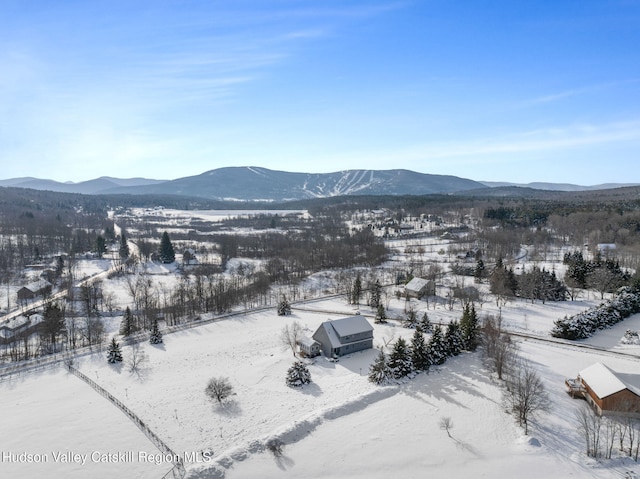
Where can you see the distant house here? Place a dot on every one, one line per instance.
(189, 257)
(21, 324)
(418, 287)
(606, 391)
(49, 275)
(344, 336)
(605, 248)
(41, 287)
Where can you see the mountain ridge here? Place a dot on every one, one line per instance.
(254, 183)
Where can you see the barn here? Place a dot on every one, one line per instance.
(33, 290)
(608, 392)
(418, 287)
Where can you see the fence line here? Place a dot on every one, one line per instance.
(178, 470)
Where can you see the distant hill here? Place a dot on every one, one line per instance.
(252, 183)
(558, 186)
(90, 187)
(261, 184)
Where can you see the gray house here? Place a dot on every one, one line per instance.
(35, 289)
(344, 336)
(418, 287)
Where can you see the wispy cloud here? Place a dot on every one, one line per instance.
(553, 97)
(495, 149)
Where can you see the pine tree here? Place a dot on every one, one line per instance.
(53, 323)
(376, 295)
(453, 339)
(419, 352)
(437, 347)
(127, 325)
(101, 246)
(114, 355)
(379, 371)
(124, 246)
(284, 308)
(479, 273)
(469, 328)
(400, 359)
(412, 319)
(167, 253)
(356, 292)
(298, 375)
(381, 314)
(424, 325)
(156, 335)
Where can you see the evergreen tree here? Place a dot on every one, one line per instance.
(453, 339)
(437, 347)
(379, 371)
(59, 266)
(400, 359)
(478, 273)
(419, 352)
(381, 314)
(424, 325)
(114, 354)
(503, 281)
(110, 234)
(376, 294)
(284, 308)
(298, 375)
(101, 246)
(156, 335)
(356, 292)
(412, 319)
(167, 253)
(127, 325)
(53, 323)
(469, 328)
(124, 246)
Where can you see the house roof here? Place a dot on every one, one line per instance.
(416, 284)
(351, 325)
(307, 341)
(37, 286)
(345, 327)
(605, 382)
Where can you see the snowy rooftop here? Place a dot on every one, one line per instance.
(416, 284)
(307, 341)
(605, 382)
(351, 325)
(38, 285)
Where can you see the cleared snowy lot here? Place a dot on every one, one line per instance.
(340, 426)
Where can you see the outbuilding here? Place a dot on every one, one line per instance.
(608, 392)
(33, 290)
(418, 287)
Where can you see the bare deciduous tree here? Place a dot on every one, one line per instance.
(219, 389)
(525, 394)
(499, 350)
(447, 424)
(589, 424)
(137, 359)
(290, 335)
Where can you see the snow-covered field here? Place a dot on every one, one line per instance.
(339, 426)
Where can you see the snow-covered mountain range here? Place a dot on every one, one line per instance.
(253, 183)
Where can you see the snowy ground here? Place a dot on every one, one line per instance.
(341, 425)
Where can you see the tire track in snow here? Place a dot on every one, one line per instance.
(289, 434)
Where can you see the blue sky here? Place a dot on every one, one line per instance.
(488, 90)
